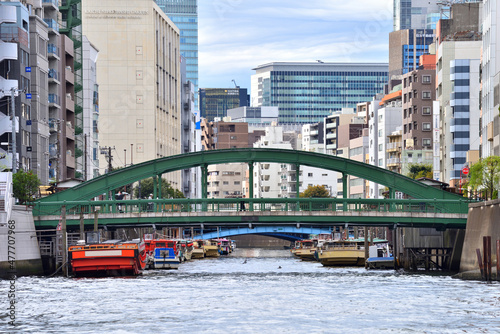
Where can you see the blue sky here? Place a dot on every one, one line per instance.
(236, 36)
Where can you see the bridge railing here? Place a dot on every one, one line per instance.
(248, 204)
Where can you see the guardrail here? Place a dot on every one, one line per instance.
(256, 205)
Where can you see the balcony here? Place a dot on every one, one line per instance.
(53, 25)
(52, 51)
(54, 101)
(70, 104)
(70, 132)
(331, 135)
(70, 159)
(331, 125)
(53, 76)
(8, 51)
(332, 146)
(69, 75)
(53, 153)
(50, 3)
(395, 146)
(53, 125)
(393, 162)
(313, 133)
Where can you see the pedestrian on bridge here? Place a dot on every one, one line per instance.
(242, 204)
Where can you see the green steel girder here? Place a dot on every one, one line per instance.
(121, 177)
(271, 220)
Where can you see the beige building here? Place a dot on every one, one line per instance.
(138, 72)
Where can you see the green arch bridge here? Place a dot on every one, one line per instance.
(427, 206)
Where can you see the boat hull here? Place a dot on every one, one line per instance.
(198, 253)
(107, 260)
(342, 258)
(165, 258)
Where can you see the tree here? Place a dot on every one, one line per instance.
(315, 191)
(25, 186)
(417, 171)
(167, 191)
(484, 175)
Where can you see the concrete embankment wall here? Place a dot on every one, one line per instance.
(24, 245)
(483, 220)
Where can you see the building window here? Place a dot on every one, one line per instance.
(380, 147)
(426, 142)
(309, 174)
(426, 95)
(426, 79)
(426, 126)
(426, 110)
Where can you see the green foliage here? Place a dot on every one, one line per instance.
(25, 186)
(417, 171)
(484, 176)
(167, 191)
(315, 191)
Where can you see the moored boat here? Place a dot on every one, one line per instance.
(162, 254)
(198, 249)
(109, 258)
(224, 246)
(341, 253)
(211, 248)
(305, 249)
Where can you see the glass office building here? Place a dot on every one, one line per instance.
(184, 13)
(308, 92)
(214, 102)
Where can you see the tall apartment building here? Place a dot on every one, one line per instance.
(418, 94)
(358, 151)
(71, 26)
(139, 79)
(490, 78)
(414, 14)
(43, 64)
(90, 93)
(190, 135)
(272, 180)
(384, 119)
(184, 14)
(14, 84)
(458, 51)
(308, 92)
(215, 102)
(341, 127)
(225, 180)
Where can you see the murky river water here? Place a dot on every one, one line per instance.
(254, 291)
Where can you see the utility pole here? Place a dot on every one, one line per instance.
(110, 166)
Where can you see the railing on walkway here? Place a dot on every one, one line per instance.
(255, 205)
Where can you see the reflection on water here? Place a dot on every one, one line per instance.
(256, 291)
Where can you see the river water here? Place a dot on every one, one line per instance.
(254, 291)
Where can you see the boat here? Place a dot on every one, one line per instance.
(108, 258)
(186, 247)
(342, 253)
(162, 254)
(224, 246)
(211, 248)
(383, 262)
(304, 249)
(198, 249)
(380, 256)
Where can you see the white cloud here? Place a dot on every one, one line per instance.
(236, 36)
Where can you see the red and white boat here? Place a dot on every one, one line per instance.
(109, 258)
